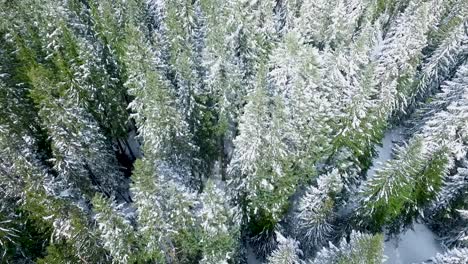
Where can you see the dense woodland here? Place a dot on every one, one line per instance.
(205, 131)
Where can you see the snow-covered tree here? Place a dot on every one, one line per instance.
(152, 228)
(220, 224)
(316, 210)
(159, 122)
(257, 122)
(295, 80)
(444, 122)
(453, 188)
(59, 86)
(430, 153)
(167, 224)
(288, 251)
(329, 23)
(350, 72)
(442, 62)
(453, 256)
(361, 248)
(81, 154)
(116, 232)
(399, 54)
(404, 185)
(259, 167)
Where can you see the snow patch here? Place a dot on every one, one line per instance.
(384, 151)
(413, 246)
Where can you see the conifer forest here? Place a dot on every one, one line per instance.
(234, 131)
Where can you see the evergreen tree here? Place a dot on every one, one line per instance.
(159, 121)
(288, 251)
(361, 248)
(316, 210)
(404, 185)
(455, 256)
(257, 123)
(115, 230)
(152, 228)
(445, 58)
(220, 226)
(260, 163)
(166, 224)
(295, 78)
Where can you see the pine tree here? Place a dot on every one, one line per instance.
(220, 226)
(254, 38)
(313, 20)
(20, 170)
(452, 189)
(316, 210)
(330, 23)
(396, 60)
(223, 77)
(361, 248)
(100, 43)
(257, 121)
(159, 121)
(153, 230)
(61, 100)
(459, 234)
(288, 251)
(442, 62)
(259, 167)
(167, 225)
(115, 230)
(295, 78)
(81, 154)
(403, 186)
(356, 123)
(444, 126)
(454, 256)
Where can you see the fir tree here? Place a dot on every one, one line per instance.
(455, 256)
(220, 226)
(404, 185)
(316, 210)
(288, 251)
(264, 185)
(361, 248)
(115, 231)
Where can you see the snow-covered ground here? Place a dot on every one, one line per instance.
(384, 152)
(413, 246)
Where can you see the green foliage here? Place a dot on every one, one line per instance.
(116, 232)
(71, 232)
(238, 107)
(364, 251)
(360, 248)
(220, 226)
(20, 235)
(404, 186)
(59, 254)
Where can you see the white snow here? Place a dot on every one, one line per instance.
(384, 152)
(412, 246)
